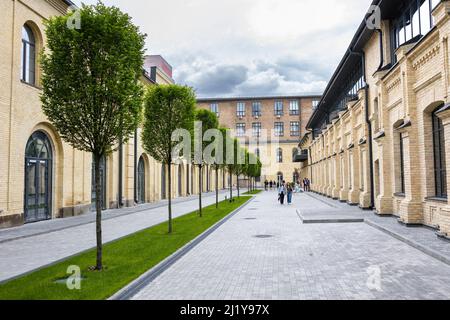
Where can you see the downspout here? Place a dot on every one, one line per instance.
(120, 203)
(136, 200)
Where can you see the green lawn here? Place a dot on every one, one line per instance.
(125, 260)
(253, 192)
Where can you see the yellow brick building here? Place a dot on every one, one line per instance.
(42, 177)
(270, 127)
(380, 136)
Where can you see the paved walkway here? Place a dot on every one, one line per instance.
(26, 248)
(266, 252)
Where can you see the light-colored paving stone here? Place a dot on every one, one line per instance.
(33, 251)
(322, 261)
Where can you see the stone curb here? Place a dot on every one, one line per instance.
(412, 243)
(328, 220)
(129, 211)
(134, 287)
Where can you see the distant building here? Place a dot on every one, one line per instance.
(272, 127)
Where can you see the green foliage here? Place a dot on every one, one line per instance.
(167, 108)
(209, 121)
(91, 92)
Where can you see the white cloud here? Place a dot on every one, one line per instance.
(248, 46)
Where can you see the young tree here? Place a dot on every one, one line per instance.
(167, 109)
(208, 121)
(91, 92)
(239, 165)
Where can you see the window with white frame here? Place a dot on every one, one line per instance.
(256, 128)
(240, 129)
(214, 107)
(279, 129)
(256, 109)
(295, 129)
(278, 106)
(240, 109)
(294, 109)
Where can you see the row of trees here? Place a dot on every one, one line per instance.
(93, 97)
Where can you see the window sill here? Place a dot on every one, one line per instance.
(30, 85)
(399, 195)
(437, 199)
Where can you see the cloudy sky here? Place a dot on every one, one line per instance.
(248, 47)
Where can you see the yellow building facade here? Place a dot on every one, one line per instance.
(380, 137)
(41, 176)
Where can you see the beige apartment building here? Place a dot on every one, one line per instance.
(270, 127)
(380, 137)
(42, 177)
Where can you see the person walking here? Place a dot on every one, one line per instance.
(270, 184)
(266, 184)
(290, 191)
(282, 192)
(308, 185)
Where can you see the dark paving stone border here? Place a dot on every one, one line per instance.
(328, 219)
(144, 280)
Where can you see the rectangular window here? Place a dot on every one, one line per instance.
(315, 104)
(240, 129)
(256, 109)
(214, 107)
(278, 108)
(402, 166)
(295, 129)
(279, 129)
(240, 109)
(414, 21)
(256, 128)
(294, 109)
(440, 171)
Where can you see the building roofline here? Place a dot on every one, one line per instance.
(353, 44)
(221, 99)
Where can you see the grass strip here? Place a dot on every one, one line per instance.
(253, 192)
(125, 260)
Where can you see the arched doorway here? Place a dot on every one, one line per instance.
(141, 181)
(38, 178)
(188, 184)
(102, 184)
(163, 182)
(280, 177)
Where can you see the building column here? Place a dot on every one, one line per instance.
(411, 210)
(353, 197)
(364, 196)
(343, 193)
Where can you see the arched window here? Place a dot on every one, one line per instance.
(279, 155)
(295, 153)
(28, 69)
(141, 181)
(439, 156)
(38, 178)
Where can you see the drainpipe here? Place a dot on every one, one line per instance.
(380, 32)
(369, 126)
(120, 203)
(136, 200)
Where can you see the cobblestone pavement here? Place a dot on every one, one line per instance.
(32, 246)
(291, 260)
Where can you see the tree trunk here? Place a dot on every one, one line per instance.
(217, 187)
(98, 207)
(237, 184)
(231, 186)
(169, 166)
(200, 175)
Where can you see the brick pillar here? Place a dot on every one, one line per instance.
(353, 197)
(411, 209)
(343, 194)
(336, 177)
